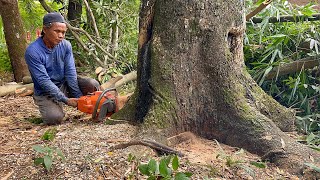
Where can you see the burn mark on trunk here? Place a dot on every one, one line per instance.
(145, 96)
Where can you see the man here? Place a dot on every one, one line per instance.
(51, 64)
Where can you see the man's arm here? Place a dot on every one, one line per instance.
(70, 72)
(39, 72)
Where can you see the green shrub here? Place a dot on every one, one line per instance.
(5, 64)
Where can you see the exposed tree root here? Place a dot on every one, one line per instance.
(160, 148)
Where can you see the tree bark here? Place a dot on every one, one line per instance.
(15, 38)
(191, 77)
(74, 12)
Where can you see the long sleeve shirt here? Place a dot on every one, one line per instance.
(51, 68)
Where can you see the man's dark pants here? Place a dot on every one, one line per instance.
(52, 111)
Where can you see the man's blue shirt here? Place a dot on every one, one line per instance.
(51, 68)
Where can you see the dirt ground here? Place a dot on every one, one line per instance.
(86, 145)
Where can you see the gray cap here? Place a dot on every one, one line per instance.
(53, 17)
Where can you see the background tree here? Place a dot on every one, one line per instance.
(192, 77)
(15, 37)
(74, 12)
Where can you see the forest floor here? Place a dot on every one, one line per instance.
(86, 147)
(86, 144)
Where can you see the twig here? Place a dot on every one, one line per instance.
(84, 46)
(8, 175)
(114, 171)
(92, 18)
(94, 42)
(258, 9)
(71, 28)
(152, 144)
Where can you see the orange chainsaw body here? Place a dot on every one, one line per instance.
(87, 103)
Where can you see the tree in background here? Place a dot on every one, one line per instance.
(74, 12)
(192, 77)
(15, 37)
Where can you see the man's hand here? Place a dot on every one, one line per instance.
(72, 102)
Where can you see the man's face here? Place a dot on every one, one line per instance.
(54, 34)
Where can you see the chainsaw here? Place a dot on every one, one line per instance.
(101, 104)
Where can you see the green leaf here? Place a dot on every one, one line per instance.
(258, 164)
(315, 148)
(38, 161)
(131, 158)
(152, 166)
(47, 160)
(152, 178)
(181, 176)
(188, 174)
(163, 168)
(144, 169)
(59, 153)
(38, 148)
(167, 160)
(49, 134)
(175, 163)
(313, 166)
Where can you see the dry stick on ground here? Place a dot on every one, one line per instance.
(258, 9)
(114, 171)
(120, 80)
(7, 176)
(163, 149)
(10, 89)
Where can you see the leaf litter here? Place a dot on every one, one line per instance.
(85, 144)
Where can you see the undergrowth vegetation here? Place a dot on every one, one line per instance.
(269, 48)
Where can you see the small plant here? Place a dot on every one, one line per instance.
(49, 154)
(35, 120)
(233, 162)
(49, 134)
(162, 170)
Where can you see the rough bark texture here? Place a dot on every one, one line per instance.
(192, 77)
(74, 12)
(15, 37)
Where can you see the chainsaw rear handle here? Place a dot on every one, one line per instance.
(98, 101)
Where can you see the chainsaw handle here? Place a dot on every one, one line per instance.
(98, 101)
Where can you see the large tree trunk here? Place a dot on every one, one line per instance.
(15, 37)
(192, 77)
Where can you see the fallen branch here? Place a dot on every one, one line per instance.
(126, 78)
(295, 66)
(258, 9)
(120, 80)
(9, 89)
(161, 148)
(298, 18)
